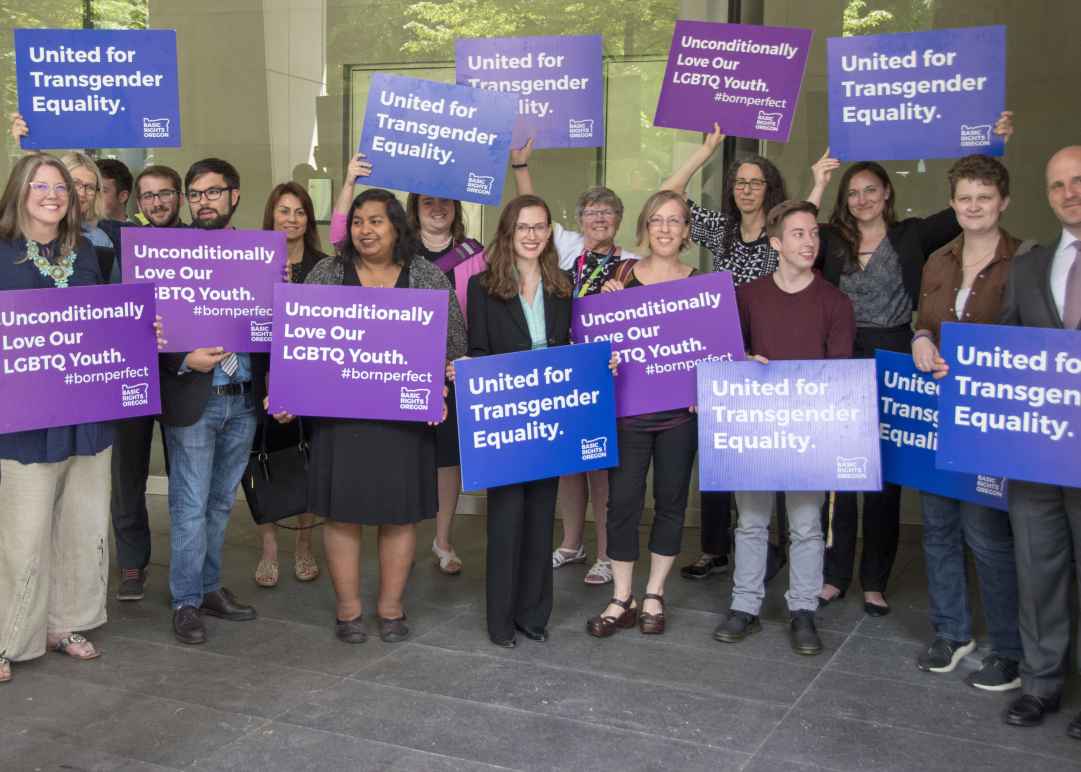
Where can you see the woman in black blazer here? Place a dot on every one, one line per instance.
(522, 302)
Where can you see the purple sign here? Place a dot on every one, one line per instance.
(745, 77)
(788, 426)
(359, 352)
(558, 82)
(661, 333)
(77, 355)
(214, 287)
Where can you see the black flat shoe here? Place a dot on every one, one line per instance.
(874, 610)
(505, 644)
(1074, 729)
(393, 630)
(350, 631)
(823, 602)
(1029, 710)
(538, 634)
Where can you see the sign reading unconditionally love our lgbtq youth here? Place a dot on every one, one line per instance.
(908, 430)
(788, 426)
(913, 95)
(535, 414)
(439, 139)
(1011, 404)
(214, 287)
(358, 352)
(744, 77)
(557, 81)
(98, 88)
(77, 355)
(661, 333)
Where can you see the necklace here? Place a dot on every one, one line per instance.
(433, 247)
(59, 271)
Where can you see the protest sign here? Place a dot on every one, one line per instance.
(557, 82)
(77, 355)
(535, 414)
(930, 94)
(98, 88)
(358, 352)
(745, 77)
(214, 287)
(1011, 404)
(437, 138)
(908, 429)
(788, 426)
(661, 333)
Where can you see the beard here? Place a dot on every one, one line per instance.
(213, 223)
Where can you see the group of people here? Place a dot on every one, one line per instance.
(841, 288)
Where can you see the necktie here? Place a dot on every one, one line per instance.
(1071, 306)
(230, 363)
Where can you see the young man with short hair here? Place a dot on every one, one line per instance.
(791, 314)
(115, 189)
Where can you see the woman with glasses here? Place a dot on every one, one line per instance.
(736, 237)
(668, 440)
(590, 256)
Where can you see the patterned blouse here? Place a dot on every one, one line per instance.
(719, 233)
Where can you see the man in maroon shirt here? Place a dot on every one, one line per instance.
(792, 314)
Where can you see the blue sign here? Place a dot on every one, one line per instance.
(98, 88)
(930, 94)
(908, 428)
(535, 414)
(1011, 405)
(437, 138)
(557, 84)
(788, 426)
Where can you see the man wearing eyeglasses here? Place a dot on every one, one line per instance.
(208, 400)
(157, 193)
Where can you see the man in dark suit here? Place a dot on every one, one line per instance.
(1044, 290)
(209, 400)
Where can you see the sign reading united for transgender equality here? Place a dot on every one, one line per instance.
(744, 77)
(1011, 404)
(77, 355)
(908, 430)
(98, 88)
(437, 138)
(557, 82)
(214, 287)
(660, 334)
(535, 414)
(806, 425)
(917, 94)
(358, 352)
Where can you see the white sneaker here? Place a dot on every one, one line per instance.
(562, 557)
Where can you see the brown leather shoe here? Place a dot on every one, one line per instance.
(652, 624)
(224, 605)
(603, 627)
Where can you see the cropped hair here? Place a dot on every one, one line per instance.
(650, 207)
(501, 278)
(777, 215)
(117, 171)
(213, 166)
(158, 170)
(311, 232)
(598, 194)
(981, 168)
(842, 218)
(14, 220)
(406, 244)
(76, 160)
(457, 224)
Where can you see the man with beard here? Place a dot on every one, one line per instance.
(157, 193)
(208, 399)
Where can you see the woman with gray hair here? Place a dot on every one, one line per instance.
(589, 256)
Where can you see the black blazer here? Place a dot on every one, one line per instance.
(498, 326)
(184, 397)
(914, 239)
(1028, 301)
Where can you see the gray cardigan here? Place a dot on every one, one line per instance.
(422, 275)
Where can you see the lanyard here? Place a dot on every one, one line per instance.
(583, 285)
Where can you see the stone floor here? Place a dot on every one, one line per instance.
(281, 693)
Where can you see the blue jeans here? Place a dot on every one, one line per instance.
(206, 462)
(949, 524)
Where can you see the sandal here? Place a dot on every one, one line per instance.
(76, 647)
(603, 627)
(305, 568)
(448, 560)
(5, 670)
(266, 573)
(564, 557)
(652, 624)
(600, 573)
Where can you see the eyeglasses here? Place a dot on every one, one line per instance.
(210, 194)
(86, 187)
(534, 230)
(755, 184)
(43, 188)
(166, 196)
(598, 214)
(671, 222)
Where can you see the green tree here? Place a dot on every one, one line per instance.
(891, 16)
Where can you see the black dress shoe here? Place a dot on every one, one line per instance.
(351, 631)
(1074, 729)
(223, 604)
(1029, 710)
(875, 610)
(538, 634)
(823, 602)
(188, 625)
(506, 643)
(804, 636)
(393, 630)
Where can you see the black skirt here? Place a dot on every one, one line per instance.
(446, 435)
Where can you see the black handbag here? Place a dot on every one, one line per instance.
(276, 483)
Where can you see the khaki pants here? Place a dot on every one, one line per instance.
(54, 557)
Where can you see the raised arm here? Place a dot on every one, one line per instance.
(358, 167)
(681, 176)
(822, 171)
(519, 164)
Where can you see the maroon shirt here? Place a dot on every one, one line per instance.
(815, 323)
